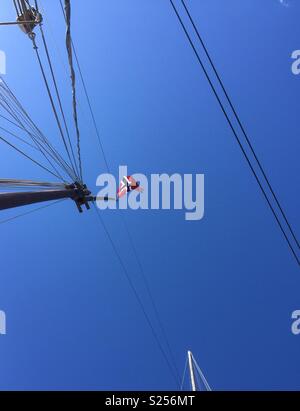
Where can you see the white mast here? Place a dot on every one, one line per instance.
(194, 367)
(192, 373)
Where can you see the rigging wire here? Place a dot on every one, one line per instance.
(133, 288)
(142, 273)
(87, 95)
(152, 300)
(184, 373)
(27, 156)
(151, 297)
(19, 117)
(202, 376)
(240, 123)
(235, 133)
(10, 121)
(19, 114)
(7, 220)
(33, 147)
(18, 10)
(53, 104)
(94, 121)
(77, 173)
(18, 138)
(73, 78)
(62, 62)
(58, 96)
(38, 146)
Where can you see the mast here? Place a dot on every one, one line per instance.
(192, 371)
(76, 192)
(15, 23)
(28, 18)
(196, 370)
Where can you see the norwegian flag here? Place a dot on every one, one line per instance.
(128, 184)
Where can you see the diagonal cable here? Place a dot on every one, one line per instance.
(240, 124)
(138, 298)
(235, 133)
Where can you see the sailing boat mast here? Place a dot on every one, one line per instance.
(194, 370)
(28, 18)
(76, 192)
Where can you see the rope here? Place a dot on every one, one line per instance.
(19, 114)
(27, 156)
(30, 212)
(202, 377)
(52, 103)
(135, 293)
(18, 138)
(241, 125)
(235, 134)
(183, 377)
(21, 117)
(87, 96)
(73, 77)
(141, 270)
(59, 99)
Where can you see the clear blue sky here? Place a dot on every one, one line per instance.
(225, 286)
